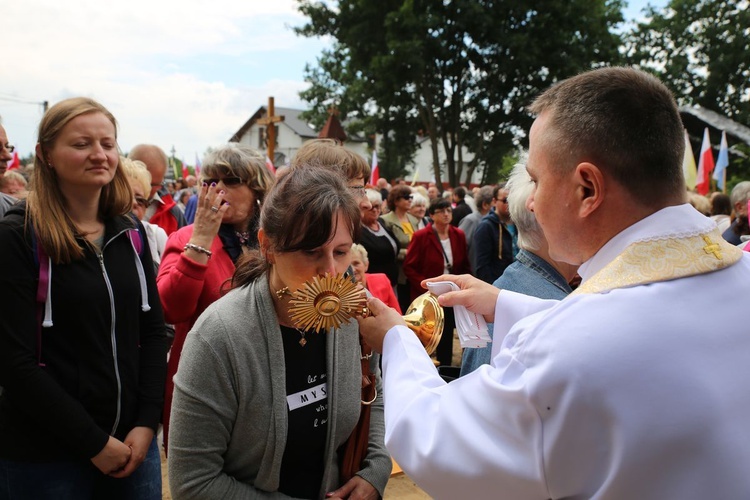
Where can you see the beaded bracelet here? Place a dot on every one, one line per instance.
(199, 249)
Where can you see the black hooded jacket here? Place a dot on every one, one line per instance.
(99, 369)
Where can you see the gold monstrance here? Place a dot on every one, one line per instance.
(327, 302)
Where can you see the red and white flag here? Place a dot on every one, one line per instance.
(705, 165)
(375, 175)
(270, 166)
(197, 165)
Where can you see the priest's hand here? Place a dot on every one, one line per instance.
(374, 327)
(475, 295)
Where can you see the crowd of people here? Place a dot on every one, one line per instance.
(139, 305)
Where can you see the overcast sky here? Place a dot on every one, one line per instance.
(184, 74)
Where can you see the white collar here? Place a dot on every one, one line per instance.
(670, 222)
(157, 198)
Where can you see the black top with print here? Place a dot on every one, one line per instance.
(307, 403)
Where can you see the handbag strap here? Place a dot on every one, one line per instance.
(369, 392)
(440, 244)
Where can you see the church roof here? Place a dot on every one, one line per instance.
(333, 129)
(292, 120)
(696, 118)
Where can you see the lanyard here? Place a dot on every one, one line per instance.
(440, 244)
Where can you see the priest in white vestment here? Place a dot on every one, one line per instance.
(633, 387)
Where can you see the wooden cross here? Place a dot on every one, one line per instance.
(270, 121)
(712, 247)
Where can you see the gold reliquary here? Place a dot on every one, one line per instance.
(322, 303)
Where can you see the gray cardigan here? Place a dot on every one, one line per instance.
(229, 413)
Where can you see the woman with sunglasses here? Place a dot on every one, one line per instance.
(378, 241)
(403, 225)
(201, 257)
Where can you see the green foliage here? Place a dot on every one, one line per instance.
(460, 72)
(699, 49)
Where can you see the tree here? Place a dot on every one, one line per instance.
(459, 71)
(699, 49)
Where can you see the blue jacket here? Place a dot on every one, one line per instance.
(531, 275)
(488, 265)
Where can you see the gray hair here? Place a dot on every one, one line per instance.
(374, 196)
(418, 200)
(238, 160)
(520, 186)
(740, 193)
(361, 251)
(484, 197)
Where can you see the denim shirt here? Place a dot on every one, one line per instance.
(530, 275)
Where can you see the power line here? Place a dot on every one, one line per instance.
(9, 98)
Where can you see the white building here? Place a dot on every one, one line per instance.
(293, 132)
(290, 135)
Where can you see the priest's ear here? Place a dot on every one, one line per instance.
(590, 190)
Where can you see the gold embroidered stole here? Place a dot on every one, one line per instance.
(663, 260)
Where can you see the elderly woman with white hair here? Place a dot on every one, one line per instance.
(419, 209)
(533, 272)
(377, 284)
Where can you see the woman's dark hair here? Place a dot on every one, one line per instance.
(300, 214)
(396, 193)
(720, 204)
(438, 204)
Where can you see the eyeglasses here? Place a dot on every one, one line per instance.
(8, 147)
(406, 197)
(375, 207)
(504, 200)
(358, 190)
(142, 202)
(443, 211)
(228, 181)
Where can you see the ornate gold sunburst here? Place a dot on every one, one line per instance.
(325, 303)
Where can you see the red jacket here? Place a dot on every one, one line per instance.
(163, 217)
(186, 289)
(424, 257)
(380, 286)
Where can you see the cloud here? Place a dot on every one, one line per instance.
(185, 74)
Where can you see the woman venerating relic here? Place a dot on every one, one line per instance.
(261, 408)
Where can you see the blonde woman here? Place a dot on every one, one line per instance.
(83, 371)
(140, 182)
